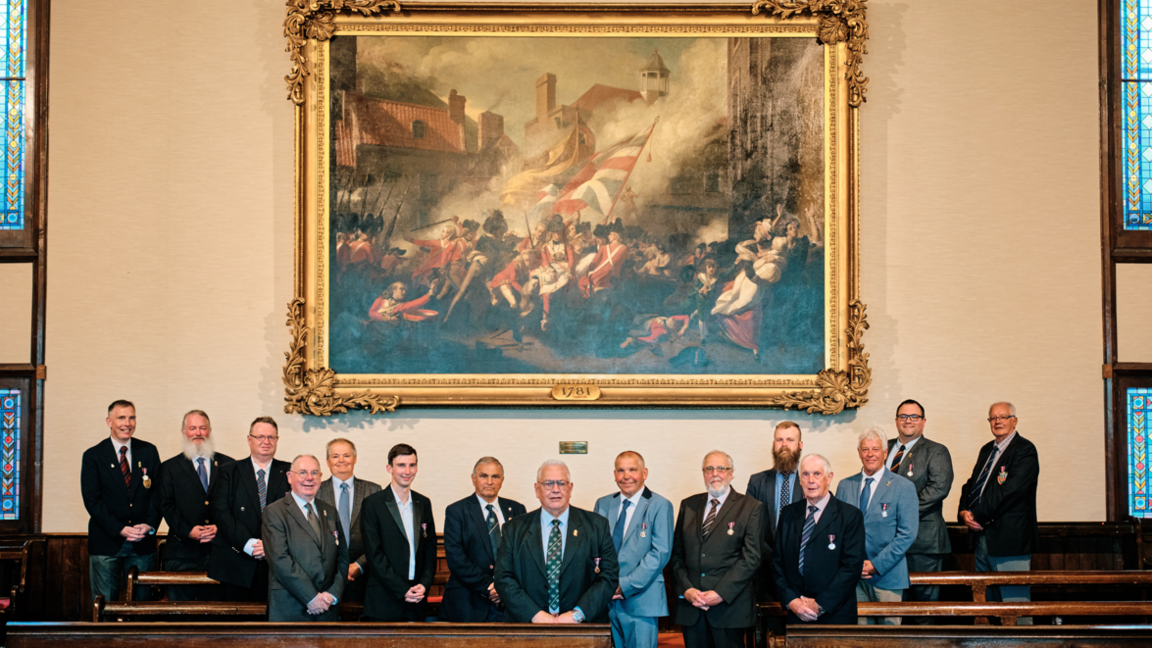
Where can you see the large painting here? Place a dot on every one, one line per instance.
(609, 207)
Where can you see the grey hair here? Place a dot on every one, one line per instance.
(874, 432)
(328, 448)
(704, 461)
(487, 460)
(821, 458)
(1011, 407)
(299, 457)
(553, 462)
(184, 421)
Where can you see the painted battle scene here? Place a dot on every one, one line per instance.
(535, 205)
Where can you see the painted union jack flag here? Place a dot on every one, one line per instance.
(597, 186)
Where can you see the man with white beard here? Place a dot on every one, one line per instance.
(186, 480)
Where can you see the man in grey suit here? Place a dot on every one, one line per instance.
(345, 492)
(891, 520)
(306, 550)
(929, 467)
(641, 524)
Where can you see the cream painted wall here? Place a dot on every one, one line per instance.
(171, 234)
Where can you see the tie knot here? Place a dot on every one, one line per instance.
(489, 507)
(868, 481)
(344, 487)
(715, 503)
(813, 508)
(260, 472)
(902, 446)
(123, 450)
(627, 503)
(555, 524)
(200, 460)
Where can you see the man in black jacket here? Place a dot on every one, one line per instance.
(246, 487)
(557, 564)
(716, 552)
(473, 530)
(186, 483)
(117, 477)
(400, 544)
(998, 504)
(819, 551)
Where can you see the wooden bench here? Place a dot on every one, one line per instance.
(16, 552)
(964, 637)
(316, 635)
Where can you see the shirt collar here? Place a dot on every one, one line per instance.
(484, 503)
(635, 499)
(546, 518)
(397, 496)
(1001, 446)
(823, 503)
(300, 501)
(116, 445)
(723, 496)
(907, 446)
(876, 478)
(256, 465)
(336, 482)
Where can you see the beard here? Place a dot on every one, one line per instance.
(206, 449)
(716, 492)
(784, 460)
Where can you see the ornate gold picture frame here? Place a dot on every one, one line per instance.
(582, 205)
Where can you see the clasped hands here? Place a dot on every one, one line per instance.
(702, 600)
(546, 617)
(414, 594)
(321, 603)
(805, 608)
(203, 533)
(136, 532)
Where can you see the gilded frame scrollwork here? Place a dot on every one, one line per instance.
(312, 387)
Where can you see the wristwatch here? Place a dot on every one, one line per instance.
(578, 616)
(819, 610)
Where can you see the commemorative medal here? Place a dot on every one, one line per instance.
(885, 509)
(831, 542)
(597, 570)
(147, 481)
(910, 467)
(1003, 475)
(643, 529)
(575, 532)
(731, 528)
(335, 535)
(424, 529)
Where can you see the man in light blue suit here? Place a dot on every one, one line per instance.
(891, 521)
(642, 529)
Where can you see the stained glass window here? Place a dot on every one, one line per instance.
(11, 401)
(1139, 406)
(12, 41)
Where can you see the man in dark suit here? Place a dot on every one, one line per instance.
(246, 488)
(346, 494)
(716, 551)
(557, 563)
(819, 551)
(473, 529)
(776, 488)
(929, 466)
(400, 543)
(116, 480)
(998, 504)
(186, 483)
(307, 551)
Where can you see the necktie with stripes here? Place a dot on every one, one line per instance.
(493, 530)
(710, 519)
(785, 493)
(127, 472)
(984, 476)
(262, 488)
(806, 535)
(552, 567)
(898, 458)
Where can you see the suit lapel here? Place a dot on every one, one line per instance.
(507, 508)
(296, 514)
(572, 543)
(359, 492)
(637, 518)
(394, 509)
(727, 511)
(248, 477)
(831, 510)
(535, 542)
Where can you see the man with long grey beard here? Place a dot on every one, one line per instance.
(186, 481)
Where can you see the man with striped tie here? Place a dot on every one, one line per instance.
(346, 493)
(819, 551)
(246, 487)
(556, 564)
(116, 482)
(716, 551)
(473, 530)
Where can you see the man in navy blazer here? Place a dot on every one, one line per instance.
(998, 504)
(817, 571)
(891, 521)
(473, 530)
(557, 563)
(117, 482)
(641, 524)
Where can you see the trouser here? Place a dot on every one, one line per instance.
(631, 631)
(920, 593)
(1003, 593)
(866, 592)
(106, 573)
(703, 634)
(190, 592)
(256, 592)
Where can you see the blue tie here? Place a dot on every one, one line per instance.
(344, 508)
(262, 488)
(618, 530)
(806, 535)
(866, 495)
(203, 472)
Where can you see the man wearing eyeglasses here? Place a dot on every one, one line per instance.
(556, 564)
(246, 488)
(928, 465)
(307, 551)
(998, 504)
(400, 543)
(716, 550)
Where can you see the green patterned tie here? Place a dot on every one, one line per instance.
(552, 566)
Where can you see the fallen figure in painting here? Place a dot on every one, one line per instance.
(657, 330)
(390, 306)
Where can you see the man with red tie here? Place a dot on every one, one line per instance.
(117, 480)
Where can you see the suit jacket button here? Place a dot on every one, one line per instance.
(205, 502)
(241, 508)
(129, 505)
(702, 575)
(701, 555)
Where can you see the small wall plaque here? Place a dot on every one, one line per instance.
(576, 392)
(573, 447)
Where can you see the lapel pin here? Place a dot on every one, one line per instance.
(831, 542)
(731, 528)
(424, 529)
(1002, 476)
(910, 467)
(147, 481)
(597, 570)
(575, 532)
(643, 529)
(885, 507)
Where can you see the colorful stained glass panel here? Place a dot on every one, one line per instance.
(1139, 406)
(11, 404)
(12, 62)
